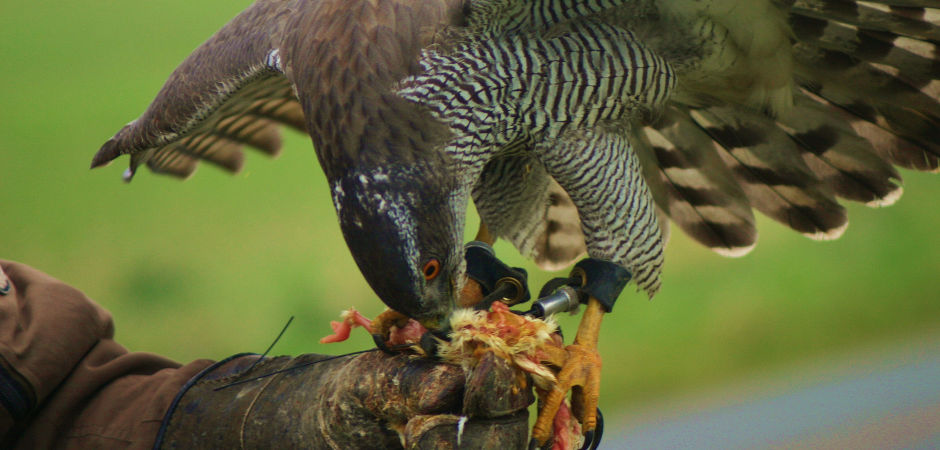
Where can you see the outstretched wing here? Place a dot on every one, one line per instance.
(230, 92)
(786, 106)
(323, 66)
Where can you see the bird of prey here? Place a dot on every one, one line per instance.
(574, 125)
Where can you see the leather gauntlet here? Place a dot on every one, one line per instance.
(368, 400)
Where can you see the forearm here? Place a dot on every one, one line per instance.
(66, 381)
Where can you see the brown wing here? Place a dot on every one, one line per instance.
(336, 58)
(344, 57)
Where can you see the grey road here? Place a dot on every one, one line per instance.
(888, 398)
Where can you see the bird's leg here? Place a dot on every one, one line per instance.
(472, 291)
(471, 294)
(581, 374)
(484, 235)
(491, 279)
(600, 283)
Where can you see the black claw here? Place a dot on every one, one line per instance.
(431, 341)
(429, 344)
(593, 438)
(390, 350)
(588, 441)
(381, 344)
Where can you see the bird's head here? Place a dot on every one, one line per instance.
(403, 225)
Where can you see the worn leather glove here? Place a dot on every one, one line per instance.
(368, 400)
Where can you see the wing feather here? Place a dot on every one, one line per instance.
(693, 186)
(281, 63)
(864, 98)
(771, 172)
(867, 16)
(844, 161)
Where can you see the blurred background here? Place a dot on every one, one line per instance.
(216, 265)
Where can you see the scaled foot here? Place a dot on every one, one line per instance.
(580, 373)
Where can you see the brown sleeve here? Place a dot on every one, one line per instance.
(64, 381)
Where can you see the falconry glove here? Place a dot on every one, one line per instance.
(366, 400)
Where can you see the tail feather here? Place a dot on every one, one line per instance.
(694, 187)
(911, 57)
(865, 98)
(897, 149)
(562, 241)
(911, 4)
(520, 202)
(871, 86)
(868, 16)
(908, 4)
(877, 63)
(771, 171)
(840, 158)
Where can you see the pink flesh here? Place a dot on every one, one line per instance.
(341, 329)
(340, 332)
(362, 321)
(409, 334)
(562, 428)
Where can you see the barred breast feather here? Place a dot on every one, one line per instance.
(527, 107)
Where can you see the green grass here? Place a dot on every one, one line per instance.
(215, 265)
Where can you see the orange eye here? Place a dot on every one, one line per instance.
(431, 269)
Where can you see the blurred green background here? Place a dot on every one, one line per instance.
(215, 265)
